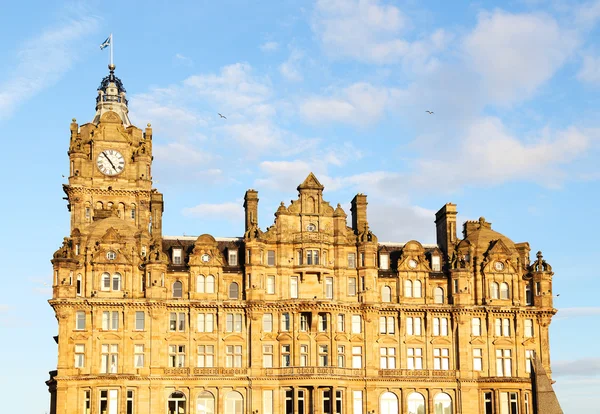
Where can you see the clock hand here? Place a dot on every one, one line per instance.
(111, 163)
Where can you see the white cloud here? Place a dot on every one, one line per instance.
(516, 53)
(579, 312)
(269, 46)
(359, 104)
(283, 175)
(228, 211)
(43, 60)
(401, 223)
(590, 71)
(585, 367)
(180, 154)
(290, 68)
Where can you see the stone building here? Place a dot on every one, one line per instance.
(308, 316)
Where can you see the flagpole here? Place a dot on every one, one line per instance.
(111, 49)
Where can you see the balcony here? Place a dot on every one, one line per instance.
(429, 373)
(328, 371)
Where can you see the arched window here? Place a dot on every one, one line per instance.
(438, 295)
(234, 403)
(386, 294)
(494, 288)
(121, 208)
(417, 289)
(528, 295)
(116, 281)
(177, 289)
(200, 279)
(234, 291)
(408, 289)
(442, 403)
(105, 281)
(388, 403)
(176, 403)
(210, 284)
(504, 290)
(205, 403)
(416, 403)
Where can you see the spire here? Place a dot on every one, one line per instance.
(111, 97)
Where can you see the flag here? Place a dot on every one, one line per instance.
(106, 43)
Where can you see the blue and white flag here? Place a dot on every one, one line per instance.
(106, 43)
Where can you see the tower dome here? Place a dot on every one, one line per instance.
(111, 97)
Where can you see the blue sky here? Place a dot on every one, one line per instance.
(336, 87)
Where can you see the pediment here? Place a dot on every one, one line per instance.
(111, 236)
(235, 337)
(111, 337)
(137, 337)
(499, 248)
(310, 182)
(206, 338)
(284, 337)
(268, 336)
(80, 336)
(441, 340)
(529, 341)
(341, 337)
(110, 117)
(176, 337)
(386, 340)
(322, 337)
(477, 340)
(503, 341)
(417, 340)
(357, 338)
(303, 337)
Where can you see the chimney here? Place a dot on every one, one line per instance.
(445, 222)
(359, 212)
(251, 208)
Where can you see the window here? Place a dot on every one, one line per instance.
(384, 261)
(270, 285)
(442, 404)
(109, 401)
(304, 321)
(109, 358)
(502, 326)
(341, 356)
(177, 321)
(477, 359)
(387, 358)
(526, 398)
(304, 355)
(312, 257)
(413, 326)
(329, 287)
(233, 356)
(417, 289)
(503, 363)
(323, 355)
(233, 322)
(414, 358)
(176, 256)
(87, 402)
(176, 356)
(285, 322)
(176, 403)
(177, 289)
(80, 320)
(408, 288)
(268, 322)
(110, 255)
(267, 356)
(357, 402)
(234, 291)
(529, 355)
(110, 321)
(356, 324)
(232, 256)
(271, 258)
(494, 290)
(441, 359)
(206, 322)
(79, 355)
(440, 326)
(326, 402)
(528, 295)
(476, 327)
(352, 260)
(299, 256)
(79, 284)
(455, 286)
(200, 284)
(488, 403)
(438, 295)
(416, 403)
(341, 322)
(116, 282)
(386, 294)
(206, 356)
(140, 319)
(504, 291)
(133, 212)
(388, 404)
(267, 402)
(509, 403)
(285, 356)
(138, 355)
(436, 263)
(357, 357)
(323, 322)
(105, 282)
(362, 259)
(294, 287)
(387, 325)
(351, 286)
(528, 331)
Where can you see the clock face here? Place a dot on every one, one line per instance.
(412, 263)
(110, 162)
(499, 266)
(205, 258)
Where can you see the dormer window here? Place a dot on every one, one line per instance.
(384, 261)
(232, 257)
(176, 256)
(110, 255)
(436, 263)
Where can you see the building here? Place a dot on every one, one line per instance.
(309, 316)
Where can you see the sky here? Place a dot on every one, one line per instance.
(336, 87)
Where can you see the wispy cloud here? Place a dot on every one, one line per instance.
(225, 211)
(43, 60)
(183, 60)
(269, 46)
(580, 312)
(290, 69)
(585, 367)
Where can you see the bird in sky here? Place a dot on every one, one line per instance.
(222, 116)
(429, 112)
